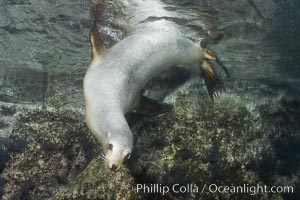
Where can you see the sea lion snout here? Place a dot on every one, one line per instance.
(114, 162)
(114, 167)
(116, 154)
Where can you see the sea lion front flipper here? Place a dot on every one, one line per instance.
(97, 44)
(151, 107)
(148, 107)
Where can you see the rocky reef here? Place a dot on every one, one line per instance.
(45, 150)
(238, 140)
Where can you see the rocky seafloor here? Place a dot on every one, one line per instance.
(238, 140)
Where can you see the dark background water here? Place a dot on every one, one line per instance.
(44, 43)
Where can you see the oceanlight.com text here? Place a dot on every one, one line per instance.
(210, 188)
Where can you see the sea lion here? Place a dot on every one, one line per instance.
(117, 75)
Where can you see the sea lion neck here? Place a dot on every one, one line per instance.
(112, 121)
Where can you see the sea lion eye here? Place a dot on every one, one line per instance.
(128, 156)
(110, 147)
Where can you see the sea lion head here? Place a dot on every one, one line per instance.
(117, 149)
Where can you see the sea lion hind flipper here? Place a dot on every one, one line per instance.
(211, 79)
(97, 44)
(151, 107)
(208, 55)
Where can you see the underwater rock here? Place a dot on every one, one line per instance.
(7, 119)
(235, 141)
(46, 149)
(98, 182)
(197, 144)
(7, 110)
(60, 96)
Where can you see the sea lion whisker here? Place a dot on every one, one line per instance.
(104, 162)
(103, 157)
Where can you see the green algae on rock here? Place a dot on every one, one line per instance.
(235, 141)
(56, 149)
(98, 182)
(7, 110)
(211, 143)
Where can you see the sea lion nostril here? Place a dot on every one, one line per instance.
(113, 167)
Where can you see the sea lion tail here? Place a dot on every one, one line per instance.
(212, 80)
(97, 44)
